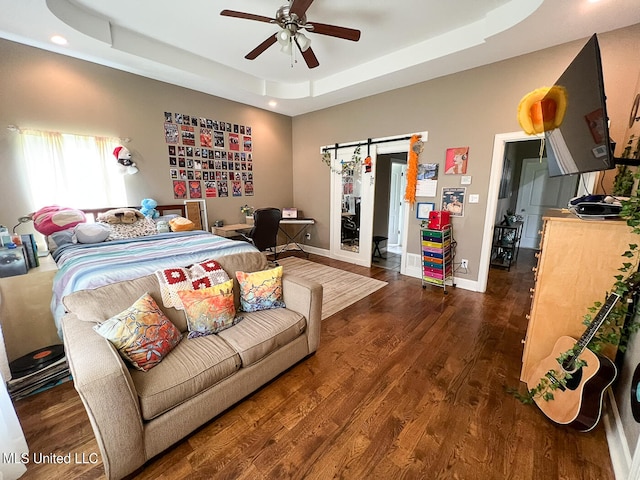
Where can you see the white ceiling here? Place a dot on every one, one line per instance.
(403, 41)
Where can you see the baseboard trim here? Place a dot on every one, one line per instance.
(463, 283)
(616, 438)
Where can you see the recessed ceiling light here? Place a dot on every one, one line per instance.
(594, 1)
(59, 40)
(273, 104)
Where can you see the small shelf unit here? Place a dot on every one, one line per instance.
(506, 244)
(437, 257)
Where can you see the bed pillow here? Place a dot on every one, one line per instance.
(181, 224)
(197, 276)
(53, 219)
(91, 232)
(209, 310)
(142, 334)
(260, 290)
(58, 239)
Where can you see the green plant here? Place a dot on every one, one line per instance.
(615, 330)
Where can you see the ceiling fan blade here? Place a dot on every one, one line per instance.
(309, 56)
(247, 16)
(253, 54)
(300, 7)
(335, 31)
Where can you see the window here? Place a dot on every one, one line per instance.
(72, 170)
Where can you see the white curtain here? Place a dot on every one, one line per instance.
(72, 170)
(13, 445)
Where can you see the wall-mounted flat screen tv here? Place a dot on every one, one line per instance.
(581, 142)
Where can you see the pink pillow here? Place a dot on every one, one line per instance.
(53, 219)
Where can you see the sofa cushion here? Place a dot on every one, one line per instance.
(193, 366)
(263, 332)
(209, 310)
(260, 290)
(98, 304)
(142, 333)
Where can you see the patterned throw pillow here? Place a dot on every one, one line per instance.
(209, 310)
(142, 333)
(260, 290)
(200, 275)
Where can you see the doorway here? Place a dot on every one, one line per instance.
(388, 209)
(501, 172)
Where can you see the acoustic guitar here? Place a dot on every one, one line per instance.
(577, 401)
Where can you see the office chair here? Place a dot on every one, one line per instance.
(264, 234)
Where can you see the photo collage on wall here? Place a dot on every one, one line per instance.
(208, 158)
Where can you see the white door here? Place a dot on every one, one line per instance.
(538, 192)
(395, 203)
(340, 250)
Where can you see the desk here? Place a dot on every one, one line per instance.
(302, 224)
(235, 229)
(229, 231)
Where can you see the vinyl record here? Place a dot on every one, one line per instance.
(36, 360)
(635, 394)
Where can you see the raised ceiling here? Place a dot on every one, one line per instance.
(403, 41)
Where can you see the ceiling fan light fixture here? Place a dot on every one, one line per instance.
(303, 41)
(287, 49)
(284, 37)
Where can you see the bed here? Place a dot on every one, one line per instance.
(91, 265)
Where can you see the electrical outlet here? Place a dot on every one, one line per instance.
(308, 236)
(464, 263)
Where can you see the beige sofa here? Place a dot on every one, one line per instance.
(136, 415)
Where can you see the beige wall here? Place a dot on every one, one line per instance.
(464, 109)
(46, 91)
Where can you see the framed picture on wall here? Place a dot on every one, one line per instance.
(453, 200)
(423, 209)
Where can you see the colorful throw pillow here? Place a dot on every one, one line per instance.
(197, 276)
(142, 333)
(209, 310)
(260, 290)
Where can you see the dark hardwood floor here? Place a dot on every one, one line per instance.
(407, 383)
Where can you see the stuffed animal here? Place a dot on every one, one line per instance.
(120, 215)
(163, 226)
(125, 164)
(148, 208)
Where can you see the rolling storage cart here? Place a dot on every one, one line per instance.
(437, 257)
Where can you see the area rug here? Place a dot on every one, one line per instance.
(340, 288)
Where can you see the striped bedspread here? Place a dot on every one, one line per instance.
(87, 266)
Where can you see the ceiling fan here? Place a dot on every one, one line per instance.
(292, 20)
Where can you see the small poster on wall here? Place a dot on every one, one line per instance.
(171, 133)
(179, 189)
(210, 189)
(453, 200)
(195, 189)
(456, 161)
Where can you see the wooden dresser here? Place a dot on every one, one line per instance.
(577, 262)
